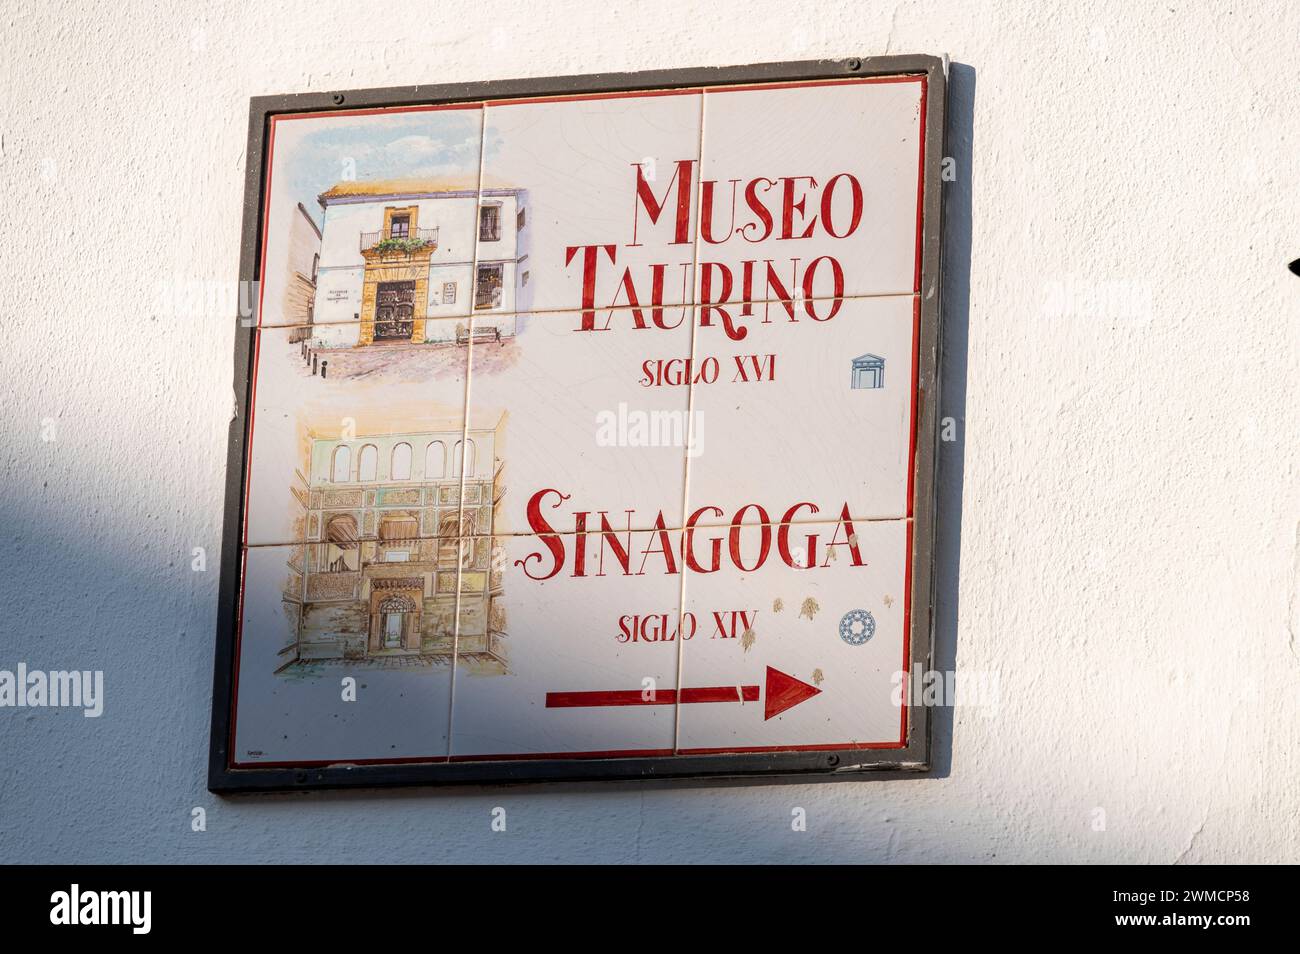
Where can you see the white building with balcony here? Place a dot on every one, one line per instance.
(398, 254)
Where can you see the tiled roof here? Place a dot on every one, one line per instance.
(405, 187)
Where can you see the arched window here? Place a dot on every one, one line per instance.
(468, 458)
(394, 612)
(342, 531)
(341, 466)
(435, 461)
(401, 462)
(368, 463)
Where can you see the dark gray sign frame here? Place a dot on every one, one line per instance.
(914, 756)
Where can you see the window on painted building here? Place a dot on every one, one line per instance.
(401, 469)
(519, 221)
(489, 223)
(400, 226)
(368, 463)
(449, 293)
(400, 529)
(488, 293)
(435, 461)
(342, 552)
(341, 466)
(395, 613)
(467, 557)
(397, 536)
(315, 268)
(468, 458)
(448, 541)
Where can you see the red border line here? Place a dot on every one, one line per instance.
(920, 183)
(584, 97)
(829, 747)
(615, 94)
(325, 763)
(859, 81)
(537, 756)
(248, 447)
(915, 402)
(907, 638)
(257, 327)
(376, 111)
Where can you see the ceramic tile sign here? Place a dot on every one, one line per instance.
(586, 429)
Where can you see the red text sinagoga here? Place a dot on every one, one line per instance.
(595, 548)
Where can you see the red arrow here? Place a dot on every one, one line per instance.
(783, 692)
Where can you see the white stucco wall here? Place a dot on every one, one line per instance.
(1121, 537)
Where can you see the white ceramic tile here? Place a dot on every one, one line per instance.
(326, 392)
(575, 412)
(804, 412)
(769, 150)
(303, 632)
(578, 160)
(562, 614)
(807, 635)
(336, 184)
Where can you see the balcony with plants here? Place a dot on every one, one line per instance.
(387, 242)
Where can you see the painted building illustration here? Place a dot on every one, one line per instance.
(397, 253)
(868, 371)
(291, 265)
(304, 259)
(381, 555)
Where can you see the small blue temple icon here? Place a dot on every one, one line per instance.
(869, 371)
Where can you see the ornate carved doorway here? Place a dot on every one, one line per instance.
(393, 620)
(394, 311)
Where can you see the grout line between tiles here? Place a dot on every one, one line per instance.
(419, 538)
(680, 528)
(610, 309)
(501, 534)
(690, 426)
(464, 437)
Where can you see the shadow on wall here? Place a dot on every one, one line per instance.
(952, 455)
